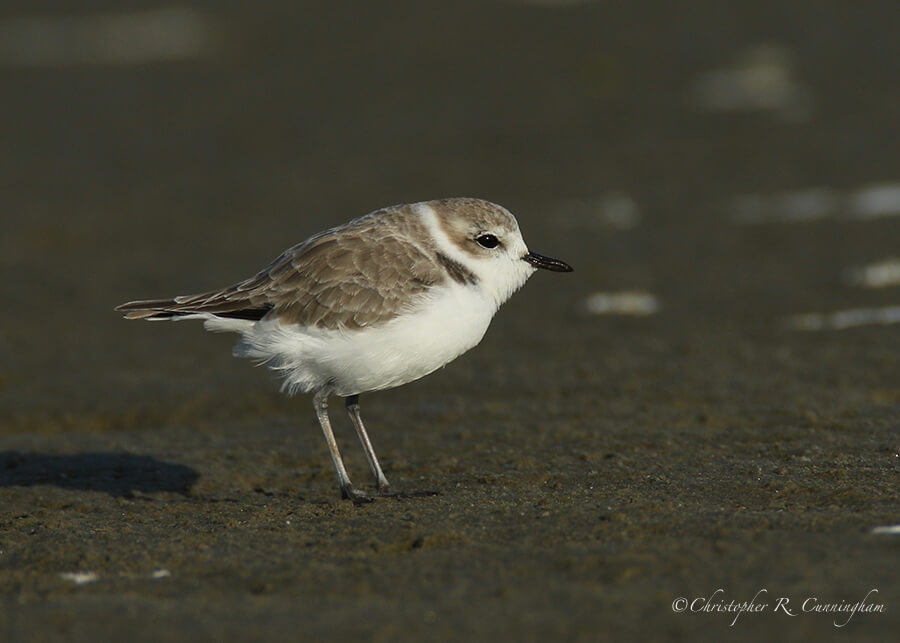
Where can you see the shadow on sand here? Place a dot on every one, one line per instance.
(118, 474)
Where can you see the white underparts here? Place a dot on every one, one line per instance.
(370, 359)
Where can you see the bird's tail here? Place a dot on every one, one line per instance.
(202, 306)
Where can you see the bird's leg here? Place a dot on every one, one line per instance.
(352, 403)
(320, 402)
(381, 481)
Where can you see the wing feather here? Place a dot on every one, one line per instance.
(362, 274)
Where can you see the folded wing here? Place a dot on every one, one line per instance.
(333, 280)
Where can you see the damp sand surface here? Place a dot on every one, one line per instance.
(687, 439)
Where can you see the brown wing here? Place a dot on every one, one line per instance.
(349, 277)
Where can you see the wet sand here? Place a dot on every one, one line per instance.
(592, 468)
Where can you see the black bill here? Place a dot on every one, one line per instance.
(540, 261)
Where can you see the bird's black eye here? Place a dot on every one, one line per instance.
(487, 241)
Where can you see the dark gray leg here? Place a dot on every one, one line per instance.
(352, 404)
(320, 403)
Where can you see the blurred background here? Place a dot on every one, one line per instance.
(727, 162)
(724, 176)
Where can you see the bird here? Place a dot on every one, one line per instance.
(369, 305)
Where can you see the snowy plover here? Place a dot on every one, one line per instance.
(375, 303)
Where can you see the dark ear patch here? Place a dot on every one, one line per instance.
(457, 272)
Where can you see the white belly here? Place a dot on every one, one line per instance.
(405, 349)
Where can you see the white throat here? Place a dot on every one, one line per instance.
(498, 278)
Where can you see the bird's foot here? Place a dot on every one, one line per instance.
(349, 493)
(358, 498)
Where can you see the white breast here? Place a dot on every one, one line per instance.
(405, 349)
